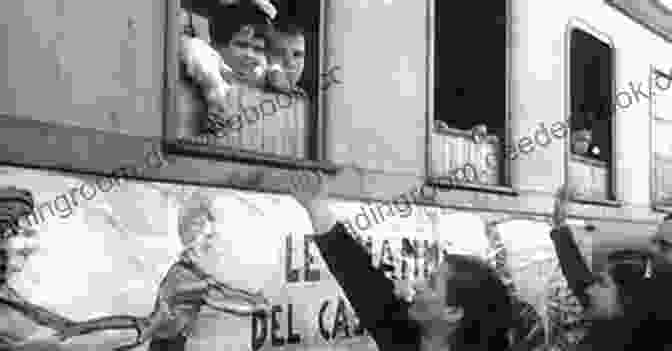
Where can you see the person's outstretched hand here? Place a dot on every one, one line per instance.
(605, 298)
(310, 190)
(561, 206)
(403, 289)
(308, 187)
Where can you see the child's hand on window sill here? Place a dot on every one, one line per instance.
(479, 133)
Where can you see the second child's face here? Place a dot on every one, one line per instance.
(246, 54)
(290, 53)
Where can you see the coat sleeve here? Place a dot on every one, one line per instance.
(574, 267)
(369, 291)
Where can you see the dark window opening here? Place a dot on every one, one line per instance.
(591, 112)
(591, 80)
(470, 93)
(470, 65)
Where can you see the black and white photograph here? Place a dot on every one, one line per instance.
(335, 175)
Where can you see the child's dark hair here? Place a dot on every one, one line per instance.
(628, 271)
(228, 20)
(289, 29)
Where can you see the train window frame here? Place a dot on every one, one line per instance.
(503, 184)
(650, 14)
(657, 203)
(612, 198)
(173, 143)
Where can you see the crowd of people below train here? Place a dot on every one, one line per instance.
(462, 304)
(465, 306)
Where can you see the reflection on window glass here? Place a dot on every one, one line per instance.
(663, 144)
(662, 95)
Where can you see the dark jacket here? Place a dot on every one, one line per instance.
(646, 314)
(370, 292)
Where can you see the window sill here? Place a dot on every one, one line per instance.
(589, 161)
(465, 134)
(446, 183)
(596, 201)
(223, 153)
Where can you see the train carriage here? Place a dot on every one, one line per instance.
(495, 105)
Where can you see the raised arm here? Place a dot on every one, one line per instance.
(597, 294)
(367, 288)
(38, 314)
(207, 68)
(369, 291)
(179, 285)
(226, 298)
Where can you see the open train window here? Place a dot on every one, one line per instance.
(591, 111)
(243, 81)
(470, 93)
(661, 127)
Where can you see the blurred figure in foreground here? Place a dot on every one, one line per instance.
(627, 307)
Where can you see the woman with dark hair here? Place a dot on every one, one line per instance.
(475, 287)
(463, 306)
